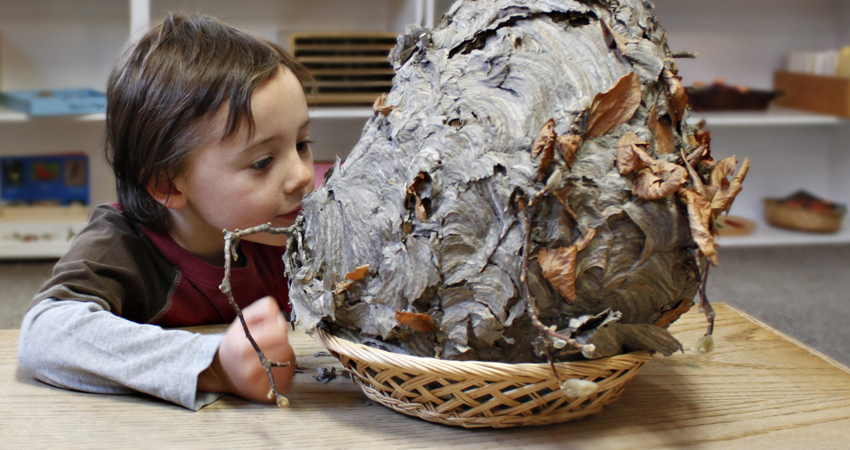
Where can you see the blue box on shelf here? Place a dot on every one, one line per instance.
(55, 102)
(61, 179)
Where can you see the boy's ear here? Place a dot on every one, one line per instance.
(167, 193)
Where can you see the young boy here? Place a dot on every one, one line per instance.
(207, 129)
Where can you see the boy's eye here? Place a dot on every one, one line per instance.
(262, 164)
(304, 146)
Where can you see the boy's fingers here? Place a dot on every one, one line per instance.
(265, 321)
(260, 310)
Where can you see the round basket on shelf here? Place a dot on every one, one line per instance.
(803, 219)
(477, 394)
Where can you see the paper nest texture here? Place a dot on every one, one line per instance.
(501, 101)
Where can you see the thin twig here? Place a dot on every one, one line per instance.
(533, 312)
(683, 54)
(551, 357)
(231, 240)
(704, 304)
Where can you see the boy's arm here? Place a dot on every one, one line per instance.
(81, 346)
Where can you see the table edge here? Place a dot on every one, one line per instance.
(788, 338)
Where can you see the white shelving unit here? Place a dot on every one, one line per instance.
(744, 43)
(783, 117)
(53, 44)
(40, 240)
(67, 44)
(767, 235)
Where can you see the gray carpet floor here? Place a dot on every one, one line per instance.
(803, 291)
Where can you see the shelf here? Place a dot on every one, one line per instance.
(8, 115)
(771, 117)
(776, 117)
(766, 235)
(39, 232)
(44, 239)
(359, 112)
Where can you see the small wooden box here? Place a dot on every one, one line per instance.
(349, 68)
(827, 95)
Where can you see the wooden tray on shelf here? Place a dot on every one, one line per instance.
(820, 94)
(350, 68)
(735, 226)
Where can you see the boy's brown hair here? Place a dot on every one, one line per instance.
(162, 90)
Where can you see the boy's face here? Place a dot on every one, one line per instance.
(239, 183)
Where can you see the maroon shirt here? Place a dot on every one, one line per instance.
(196, 298)
(146, 277)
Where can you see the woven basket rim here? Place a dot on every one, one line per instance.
(778, 214)
(480, 369)
(774, 202)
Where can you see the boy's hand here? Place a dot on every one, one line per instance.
(236, 368)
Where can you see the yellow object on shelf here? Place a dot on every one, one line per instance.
(843, 67)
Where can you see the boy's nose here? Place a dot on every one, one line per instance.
(299, 175)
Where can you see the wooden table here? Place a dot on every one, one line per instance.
(758, 390)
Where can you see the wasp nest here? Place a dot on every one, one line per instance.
(529, 189)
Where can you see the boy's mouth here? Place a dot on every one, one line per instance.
(290, 216)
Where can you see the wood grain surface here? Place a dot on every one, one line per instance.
(758, 390)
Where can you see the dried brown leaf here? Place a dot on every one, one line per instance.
(559, 267)
(568, 146)
(724, 169)
(544, 144)
(723, 198)
(630, 154)
(416, 189)
(659, 180)
(703, 137)
(745, 168)
(342, 286)
(692, 140)
(358, 273)
(678, 96)
(521, 204)
(728, 190)
(415, 321)
(697, 154)
(355, 275)
(696, 181)
(379, 106)
(613, 107)
(710, 191)
(614, 40)
(582, 242)
(420, 211)
(665, 140)
(699, 218)
(670, 316)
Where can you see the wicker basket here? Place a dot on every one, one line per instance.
(477, 394)
(801, 219)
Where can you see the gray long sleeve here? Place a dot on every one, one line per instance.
(81, 346)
